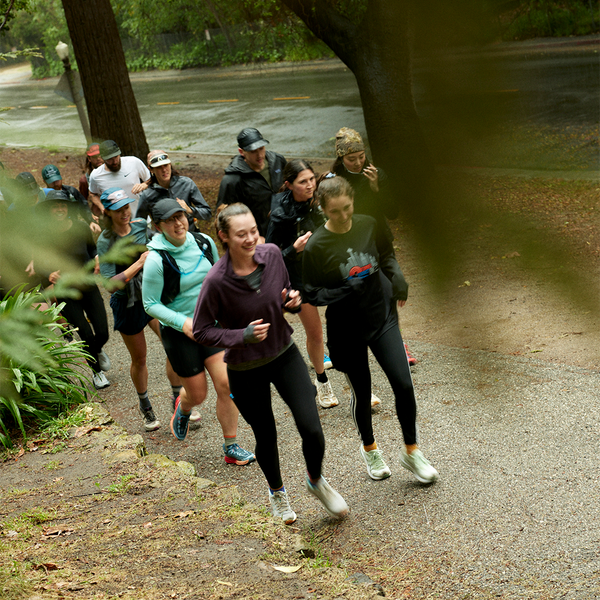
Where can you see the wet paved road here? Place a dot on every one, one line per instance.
(525, 105)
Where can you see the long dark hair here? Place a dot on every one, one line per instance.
(292, 169)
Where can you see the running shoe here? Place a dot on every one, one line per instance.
(151, 423)
(376, 467)
(419, 466)
(325, 396)
(375, 401)
(411, 359)
(104, 361)
(179, 422)
(327, 364)
(234, 455)
(333, 502)
(280, 505)
(100, 381)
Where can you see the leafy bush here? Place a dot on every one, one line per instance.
(543, 18)
(40, 371)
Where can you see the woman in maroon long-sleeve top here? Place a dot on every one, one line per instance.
(240, 308)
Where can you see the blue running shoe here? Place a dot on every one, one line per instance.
(179, 423)
(234, 455)
(327, 364)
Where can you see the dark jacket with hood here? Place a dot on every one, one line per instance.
(289, 220)
(241, 184)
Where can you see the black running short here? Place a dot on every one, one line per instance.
(186, 356)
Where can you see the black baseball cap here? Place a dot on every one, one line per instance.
(250, 139)
(109, 149)
(26, 181)
(165, 208)
(54, 196)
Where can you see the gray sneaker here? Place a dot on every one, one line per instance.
(104, 361)
(151, 423)
(333, 502)
(376, 467)
(419, 466)
(100, 381)
(280, 505)
(325, 396)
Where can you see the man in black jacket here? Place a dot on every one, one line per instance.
(253, 177)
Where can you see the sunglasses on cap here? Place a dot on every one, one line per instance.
(160, 158)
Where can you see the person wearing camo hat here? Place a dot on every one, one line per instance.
(372, 193)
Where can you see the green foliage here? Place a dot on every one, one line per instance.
(179, 34)
(550, 18)
(14, 582)
(40, 371)
(42, 25)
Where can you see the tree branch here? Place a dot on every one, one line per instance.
(329, 25)
(12, 2)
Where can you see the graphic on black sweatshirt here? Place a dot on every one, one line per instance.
(359, 265)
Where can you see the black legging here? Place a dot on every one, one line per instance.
(251, 393)
(389, 352)
(77, 312)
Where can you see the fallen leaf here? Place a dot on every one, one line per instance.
(182, 515)
(287, 569)
(81, 431)
(56, 532)
(225, 583)
(11, 533)
(149, 524)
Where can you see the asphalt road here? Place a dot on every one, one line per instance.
(530, 105)
(515, 513)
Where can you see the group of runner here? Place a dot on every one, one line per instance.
(226, 316)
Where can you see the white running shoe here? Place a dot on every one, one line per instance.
(333, 502)
(419, 466)
(327, 364)
(280, 506)
(104, 361)
(325, 396)
(376, 467)
(100, 381)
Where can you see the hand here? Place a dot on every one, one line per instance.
(30, 270)
(300, 243)
(95, 229)
(142, 259)
(184, 205)
(401, 303)
(96, 265)
(372, 175)
(294, 298)
(188, 328)
(54, 277)
(139, 187)
(261, 330)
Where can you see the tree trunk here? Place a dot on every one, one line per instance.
(377, 51)
(111, 104)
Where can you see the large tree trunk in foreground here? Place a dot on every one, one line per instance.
(377, 51)
(111, 104)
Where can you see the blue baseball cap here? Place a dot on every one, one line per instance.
(114, 198)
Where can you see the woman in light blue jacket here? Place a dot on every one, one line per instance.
(174, 271)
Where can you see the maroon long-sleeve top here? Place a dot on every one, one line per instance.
(227, 299)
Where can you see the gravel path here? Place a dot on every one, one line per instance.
(515, 514)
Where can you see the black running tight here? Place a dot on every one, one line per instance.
(251, 391)
(390, 354)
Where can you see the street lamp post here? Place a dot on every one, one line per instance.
(63, 53)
